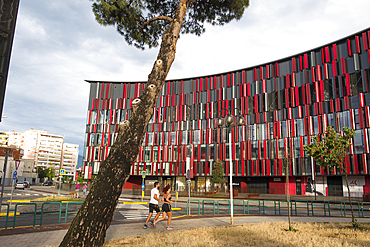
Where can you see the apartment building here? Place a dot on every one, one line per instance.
(46, 150)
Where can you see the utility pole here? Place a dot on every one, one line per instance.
(4, 176)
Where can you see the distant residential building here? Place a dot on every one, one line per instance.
(70, 158)
(49, 151)
(3, 139)
(46, 150)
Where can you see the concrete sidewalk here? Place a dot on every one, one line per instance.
(118, 231)
(54, 235)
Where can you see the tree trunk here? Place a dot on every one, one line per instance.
(349, 197)
(95, 215)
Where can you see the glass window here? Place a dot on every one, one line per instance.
(101, 117)
(150, 139)
(99, 139)
(356, 83)
(211, 152)
(281, 154)
(328, 90)
(203, 152)
(254, 150)
(240, 131)
(196, 137)
(184, 136)
(229, 93)
(224, 133)
(147, 152)
(331, 120)
(155, 154)
(358, 142)
(92, 139)
(315, 125)
(227, 152)
(284, 131)
(173, 138)
(165, 138)
(175, 153)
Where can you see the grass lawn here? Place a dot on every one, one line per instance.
(263, 234)
(56, 199)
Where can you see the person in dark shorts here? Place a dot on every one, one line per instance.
(166, 207)
(153, 204)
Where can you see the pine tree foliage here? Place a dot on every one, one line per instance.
(142, 23)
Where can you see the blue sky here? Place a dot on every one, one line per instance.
(58, 44)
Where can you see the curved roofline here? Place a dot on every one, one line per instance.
(248, 68)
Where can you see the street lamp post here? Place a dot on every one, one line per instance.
(229, 123)
(189, 156)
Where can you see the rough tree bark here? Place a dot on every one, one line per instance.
(95, 215)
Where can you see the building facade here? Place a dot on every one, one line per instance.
(46, 150)
(70, 158)
(25, 169)
(284, 102)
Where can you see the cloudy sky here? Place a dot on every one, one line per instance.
(58, 44)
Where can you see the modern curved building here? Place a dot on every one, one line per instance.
(284, 102)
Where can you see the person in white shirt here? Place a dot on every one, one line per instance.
(153, 204)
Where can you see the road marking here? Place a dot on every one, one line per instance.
(36, 194)
(19, 201)
(179, 216)
(18, 194)
(176, 208)
(45, 194)
(22, 226)
(135, 202)
(9, 194)
(132, 216)
(28, 194)
(10, 214)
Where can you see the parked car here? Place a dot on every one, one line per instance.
(20, 185)
(47, 183)
(27, 184)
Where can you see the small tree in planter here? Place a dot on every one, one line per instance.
(218, 173)
(331, 153)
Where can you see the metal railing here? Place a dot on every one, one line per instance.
(297, 207)
(245, 206)
(12, 218)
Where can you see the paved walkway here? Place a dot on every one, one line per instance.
(118, 231)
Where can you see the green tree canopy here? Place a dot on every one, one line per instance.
(330, 153)
(142, 22)
(218, 172)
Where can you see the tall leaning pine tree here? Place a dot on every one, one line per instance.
(142, 23)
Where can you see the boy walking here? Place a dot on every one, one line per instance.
(153, 204)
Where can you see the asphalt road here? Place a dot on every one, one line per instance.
(26, 194)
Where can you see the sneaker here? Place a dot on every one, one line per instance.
(170, 228)
(151, 222)
(145, 226)
(154, 222)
